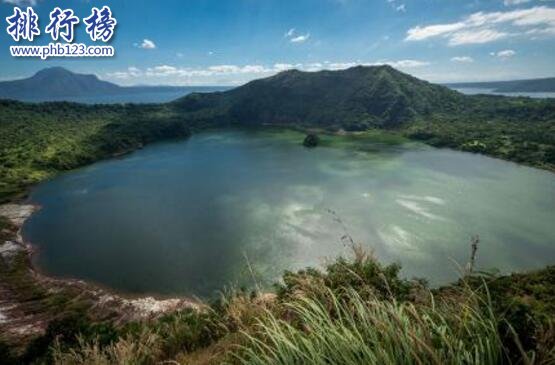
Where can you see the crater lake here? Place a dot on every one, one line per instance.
(236, 207)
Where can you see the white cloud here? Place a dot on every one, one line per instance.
(300, 38)
(235, 74)
(165, 69)
(400, 7)
(121, 75)
(420, 33)
(131, 72)
(462, 59)
(315, 66)
(283, 66)
(505, 54)
(294, 37)
(475, 37)
(340, 65)
(289, 33)
(134, 71)
(407, 63)
(21, 2)
(483, 27)
(147, 44)
(515, 2)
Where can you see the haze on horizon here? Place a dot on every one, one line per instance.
(230, 42)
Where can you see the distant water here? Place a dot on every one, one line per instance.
(475, 91)
(184, 217)
(142, 97)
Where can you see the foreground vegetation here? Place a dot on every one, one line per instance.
(356, 311)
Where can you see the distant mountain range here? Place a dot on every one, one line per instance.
(58, 83)
(530, 86)
(352, 86)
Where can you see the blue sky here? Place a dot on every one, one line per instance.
(228, 42)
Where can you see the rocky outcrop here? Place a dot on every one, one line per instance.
(17, 213)
(311, 140)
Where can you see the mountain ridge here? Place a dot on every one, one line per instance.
(56, 81)
(359, 97)
(59, 84)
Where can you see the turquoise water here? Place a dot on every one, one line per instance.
(186, 217)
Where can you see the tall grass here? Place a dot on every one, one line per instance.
(374, 331)
(353, 312)
(145, 343)
(144, 349)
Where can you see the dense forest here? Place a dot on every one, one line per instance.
(514, 129)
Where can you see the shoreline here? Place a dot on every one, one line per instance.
(15, 319)
(23, 318)
(22, 193)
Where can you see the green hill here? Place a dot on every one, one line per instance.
(356, 98)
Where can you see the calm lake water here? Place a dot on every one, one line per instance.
(186, 217)
(475, 91)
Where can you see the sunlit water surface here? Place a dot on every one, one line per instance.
(189, 217)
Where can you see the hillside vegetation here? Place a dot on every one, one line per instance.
(516, 129)
(355, 311)
(38, 140)
(356, 98)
